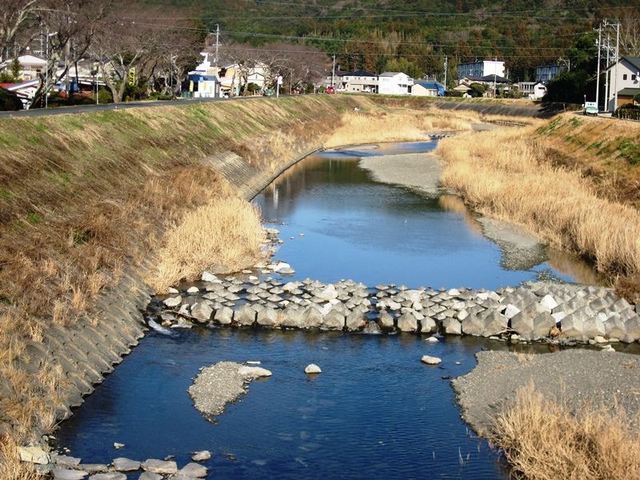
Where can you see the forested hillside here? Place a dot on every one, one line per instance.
(414, 36)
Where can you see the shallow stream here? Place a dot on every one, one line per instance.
(375, 412)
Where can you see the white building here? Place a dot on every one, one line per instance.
(30, 67)
(394, 83)
(204, 81)
(532, 90)
(359, 81)
(480, 69)
(624, 79)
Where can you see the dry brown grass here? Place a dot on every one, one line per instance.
(224, 235)
(505, 173)
(544, 440)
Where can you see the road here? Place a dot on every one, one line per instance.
(41, 112)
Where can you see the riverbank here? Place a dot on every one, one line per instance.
(89, 202)
(570, 414)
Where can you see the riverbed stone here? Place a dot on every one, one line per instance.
(191, 471)
(355, 321)
(223, 315)
(65, 460)
(202, 311)
(385, 320)
(34, 454)
(372, 328)
(429, 360)
(122, 464)
(163, 467)
(108, 476)
(267, 317)
(428, 325)
(68, 474)
(172, 302)
(201, 456)
(452, 326)
(245, 316)
(407, 322)
(334, 320)
(312, 369)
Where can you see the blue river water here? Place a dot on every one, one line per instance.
(376, 411)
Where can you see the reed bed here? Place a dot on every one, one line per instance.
(544, 439)
(506, 174)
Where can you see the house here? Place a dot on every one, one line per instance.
(427, 88)
(532, 90)
(394, 83)
(481, 68)
(204, 81)
(546, 73)
(624, 79)
(462, 88)
(359, 81)
(30, 66)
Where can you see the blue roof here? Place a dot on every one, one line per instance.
(430, 84)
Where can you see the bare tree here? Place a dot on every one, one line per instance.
(14, 16)
(630, 34)
(140, 42)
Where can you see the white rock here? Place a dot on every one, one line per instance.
(327, 293)
(254, 362)
(125, 465)
(432, 340)
(201, 456)
(511, 311)
(163, 467)
(482, 296)
(173, 301)
(210, 277)
(109, 476)
(172, 290)
(193, 290)
(118, 446)
(278, 267)
(35, 455)
(548, 302)
(558, 316)
(312, 368)
(453, 292)
(254, 372)
(68, 474)
(429, 360)
(192, 470)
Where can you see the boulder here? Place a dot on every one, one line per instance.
(355, 321)
(632, 328)
(385, 319)
(494, 322)
(202, 311)
(548, 303)
(532, 324)
(252, 373)
(327, 293)
(210, 277)
(108, 476)
(407, 322)
(473, 325)
(68, 474)
(122, 464)
(34, 454)
(452, 326)
(428, 325)
(312, 369)
(594, 327)
(163, 467)
(201, 456)
(268, 317)
(65, 461)
(224, 316)
(572, 325)
(245, 316)
(511, 311)
(172, 302)
(334, 320)
(311, 318)
(292, 317)
(429, 360)
(191, 471)
(372, 328)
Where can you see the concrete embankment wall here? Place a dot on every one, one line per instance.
(84, 201)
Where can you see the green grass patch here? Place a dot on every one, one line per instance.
(630, 151)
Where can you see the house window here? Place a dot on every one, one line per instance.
(624, 76)
(633, 77)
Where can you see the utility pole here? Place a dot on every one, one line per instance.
(615, 70)
(598, 71)
(333, 72)
(446, 67)
(46, 73)
(606, 75)
(217, 42)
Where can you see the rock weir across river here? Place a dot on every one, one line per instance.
(535, 311)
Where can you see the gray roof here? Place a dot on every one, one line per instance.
(629, 92)
(635, 61)
(391, 74)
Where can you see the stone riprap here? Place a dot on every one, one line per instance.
(534, 311)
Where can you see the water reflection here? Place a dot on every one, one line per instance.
(338, 222)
